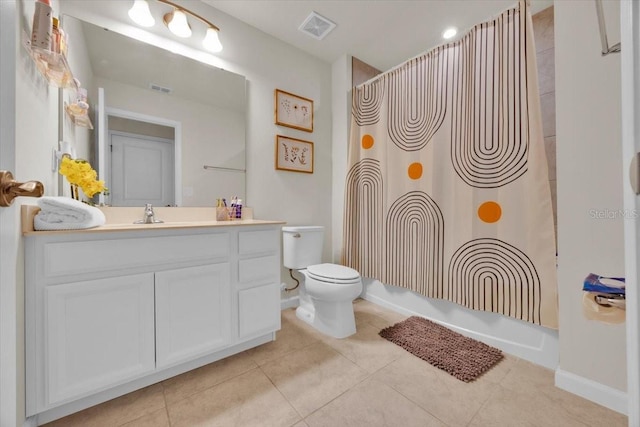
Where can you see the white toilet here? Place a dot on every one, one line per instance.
(327, 291)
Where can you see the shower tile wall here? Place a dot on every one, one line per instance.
(361, 71)
(543, 33)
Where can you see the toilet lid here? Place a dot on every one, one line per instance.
(333, 273)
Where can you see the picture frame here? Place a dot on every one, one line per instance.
(293, 111)
(294, 154)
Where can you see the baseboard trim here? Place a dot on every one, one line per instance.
(290, 302)
(601, 394)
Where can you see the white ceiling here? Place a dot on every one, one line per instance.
(382, 33)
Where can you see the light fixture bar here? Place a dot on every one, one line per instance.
(195, 15)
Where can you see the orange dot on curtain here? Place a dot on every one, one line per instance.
(489, 212)
(415, 170)
(367, 141)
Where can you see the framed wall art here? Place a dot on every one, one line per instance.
(294, 111)
(294, 154)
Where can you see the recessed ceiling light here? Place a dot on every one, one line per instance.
(449, 33)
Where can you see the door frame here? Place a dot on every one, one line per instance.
(9, 229)
(177, 141)
(630, 70)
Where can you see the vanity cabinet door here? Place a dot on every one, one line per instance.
(258, 310)
(98, 333)
(193, 312)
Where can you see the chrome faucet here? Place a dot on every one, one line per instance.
(149, 216)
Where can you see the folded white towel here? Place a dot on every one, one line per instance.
(64, 213)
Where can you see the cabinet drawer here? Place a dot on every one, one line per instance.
(253, 242)
(254, 269)
(67, 258)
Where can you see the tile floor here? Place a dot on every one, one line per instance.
(306, 379)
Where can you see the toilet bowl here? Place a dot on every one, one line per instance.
(326, 298)
(326, 290)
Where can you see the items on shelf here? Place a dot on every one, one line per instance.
(48, 46)
(604, 298)
(42, 28)
(78, 111)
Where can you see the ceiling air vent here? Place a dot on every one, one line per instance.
(316, 26)
(160, 89)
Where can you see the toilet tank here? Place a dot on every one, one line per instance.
(302, 246)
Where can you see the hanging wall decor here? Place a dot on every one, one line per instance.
(294, 154)
(293, 111)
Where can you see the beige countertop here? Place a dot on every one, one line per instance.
(121, 219)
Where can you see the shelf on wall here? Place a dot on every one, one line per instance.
(53, 66)
(78, 119)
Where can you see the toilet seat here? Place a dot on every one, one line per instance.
(333, 273)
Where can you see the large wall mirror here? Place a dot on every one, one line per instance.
(168, 130)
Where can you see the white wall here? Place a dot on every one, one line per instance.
(589, 171)
(341, 116)
(36, 113)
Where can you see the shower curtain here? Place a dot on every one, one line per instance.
(447, 191)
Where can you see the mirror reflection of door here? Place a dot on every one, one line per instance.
(139, 155)
(141, 170)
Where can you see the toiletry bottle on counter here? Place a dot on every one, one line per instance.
(42, 25)
(239, 209)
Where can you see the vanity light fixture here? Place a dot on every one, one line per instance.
(140, 14)
(449, 33)
(177, 22)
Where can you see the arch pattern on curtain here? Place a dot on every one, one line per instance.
(452, 140)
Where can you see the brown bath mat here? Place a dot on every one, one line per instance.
(463, 357)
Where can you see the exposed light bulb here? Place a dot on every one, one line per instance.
(211, 41)
(140, 14)
(449, 33)
(178, 24)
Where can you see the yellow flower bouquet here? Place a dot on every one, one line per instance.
(79, 173)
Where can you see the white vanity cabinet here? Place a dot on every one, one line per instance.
(193, 312)
(98, 332)
(108, 312)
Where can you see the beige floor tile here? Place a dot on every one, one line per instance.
(159, 418)
(523, 409)
(299, 325)
(246, 400)
(380, 317)
(301, 424)
(183, 386)
(366, 348)
(371, 403)
(313, 376)
(447, 398)
(294, 335)
(530, 378)
(117, 411)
